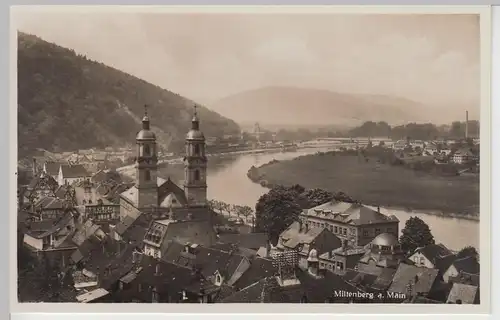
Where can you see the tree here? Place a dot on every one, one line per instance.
(245, 211)
(212, 204)
(236, 209)
(315, 197)
(342, 197)
(415, 234)
(275, 211)
(216, 205)
(468, 251)
(226, 207)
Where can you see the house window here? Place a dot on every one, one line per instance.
(336, 229)
(322, 265)
(197, 175)
(377, 230)
(345, 231)
(365, 233)
(218, 279)
(147, 175)
(422, 260)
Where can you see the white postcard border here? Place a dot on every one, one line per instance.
(485, 201)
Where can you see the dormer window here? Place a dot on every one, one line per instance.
(218, 279)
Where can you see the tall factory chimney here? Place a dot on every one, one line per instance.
(466, 125)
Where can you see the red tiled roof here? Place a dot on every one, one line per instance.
(134, 230)
(208, 260)
(248, 240)
(41, 229)
(194, 231)
(52, 168)
(315, 290)
(422, 279)
(259, 268)
(44, 181)
(168, 187)
(467, 294)
(74, 171)
(49, 203)
(433, 252)
(468, 264)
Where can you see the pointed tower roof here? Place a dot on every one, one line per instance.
(145, 119)
(195, 133)
(146, 133)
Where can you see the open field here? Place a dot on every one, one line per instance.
(377, 184)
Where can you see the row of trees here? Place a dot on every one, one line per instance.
(230, 209)
(418, 131)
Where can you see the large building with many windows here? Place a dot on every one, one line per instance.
(356, 223)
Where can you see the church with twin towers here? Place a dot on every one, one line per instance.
(156, 201)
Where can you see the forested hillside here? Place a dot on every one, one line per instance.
(67, 102)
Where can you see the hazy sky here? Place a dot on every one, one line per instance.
(428, 58)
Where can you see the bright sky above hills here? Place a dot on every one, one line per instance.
(432, 59)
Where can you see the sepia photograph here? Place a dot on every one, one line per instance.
(258, 156)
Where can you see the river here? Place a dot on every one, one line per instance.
(228, 182)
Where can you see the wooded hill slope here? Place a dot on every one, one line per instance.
(67, 102)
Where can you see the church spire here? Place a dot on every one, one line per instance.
(195, 165)
(195, 122)
(145, 119)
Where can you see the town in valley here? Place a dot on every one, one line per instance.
(128, 193)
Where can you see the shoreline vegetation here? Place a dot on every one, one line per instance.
(373, 183)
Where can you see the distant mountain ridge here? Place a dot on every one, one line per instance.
(292, 105)
(68, 102)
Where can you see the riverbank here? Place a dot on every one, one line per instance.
(164, 162)
(376, 184)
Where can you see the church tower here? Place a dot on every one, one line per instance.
(195, 165)
(146, 166)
